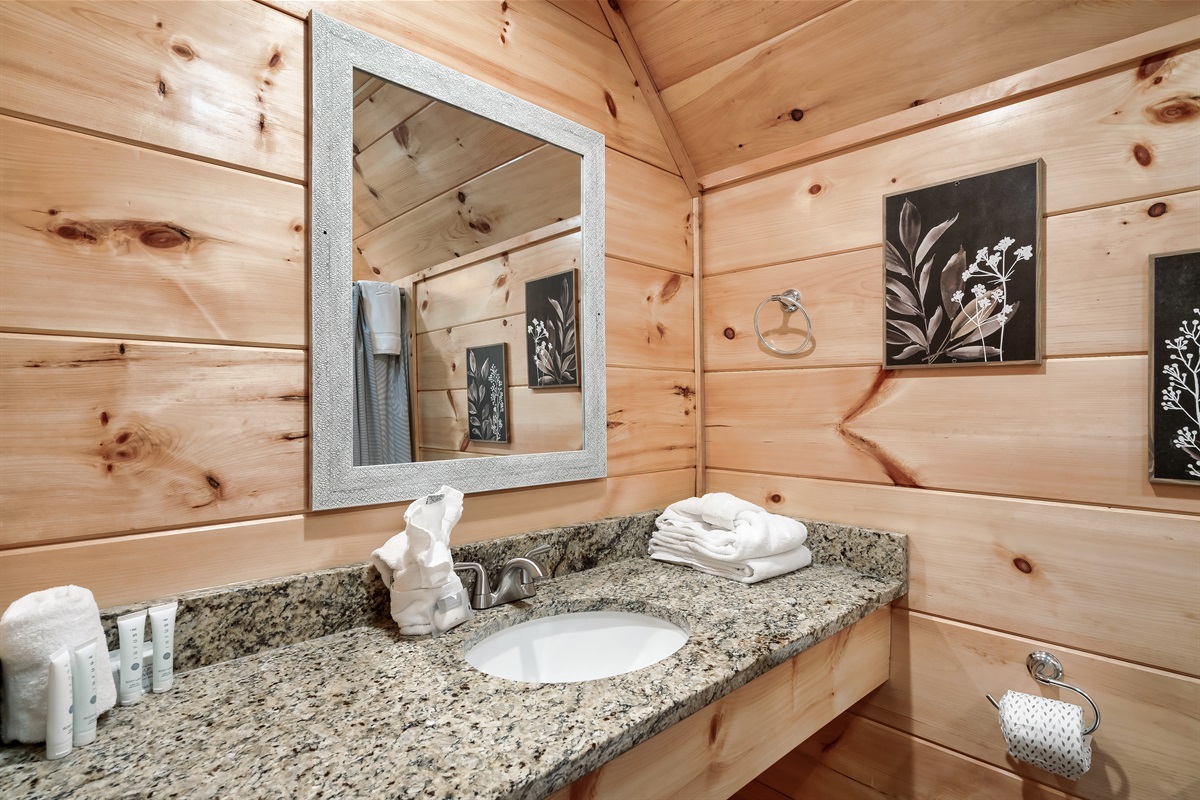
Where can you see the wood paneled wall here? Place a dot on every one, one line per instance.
(1023, 489)
(153, 276)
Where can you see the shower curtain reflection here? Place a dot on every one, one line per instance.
(381, 410)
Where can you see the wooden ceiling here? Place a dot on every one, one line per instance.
(746, 78)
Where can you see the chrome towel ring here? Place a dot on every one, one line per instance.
(790, 300)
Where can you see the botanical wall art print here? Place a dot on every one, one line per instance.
(487, 379)
(553, 354)
(1175, 367)
(962, 271)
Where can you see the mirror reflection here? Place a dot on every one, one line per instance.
(466, 257)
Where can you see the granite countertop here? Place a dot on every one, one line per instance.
(368, 713)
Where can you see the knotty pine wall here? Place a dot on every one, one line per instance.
(153, 284)
(1023, 489)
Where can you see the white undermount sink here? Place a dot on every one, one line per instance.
(583, 646)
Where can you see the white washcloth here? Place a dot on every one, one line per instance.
(31, 630)
(751, 570)
(383, 305)
(753, 532)
(416, 564)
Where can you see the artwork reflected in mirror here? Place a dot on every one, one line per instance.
(487, 379)
(456, 213)
(552, 352)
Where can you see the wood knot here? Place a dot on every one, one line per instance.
(815, 188)
(1141, 154)
(796, 114)
(76, 232)
(776, 498)
(183, 51)
(125, 446)
(614, 5)
(662, 330)
(103, 417)
(1152, 64)
(611, 103)
(729, 333)
(481, 225)
(400, 134)
(276, 58)
(164, 236)
(1157, 210)
(462, 198)
(1174, 109)
(162, 87)
(670, 288)
(1022, 565)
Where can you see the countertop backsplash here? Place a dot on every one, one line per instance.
(228, 622)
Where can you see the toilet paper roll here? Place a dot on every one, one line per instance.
(1046, 733)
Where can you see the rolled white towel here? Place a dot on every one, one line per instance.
(383, 305)
(751, 570)
(755, 535)
(416, 564)
(31, 630)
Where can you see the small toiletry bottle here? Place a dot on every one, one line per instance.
(450, 609)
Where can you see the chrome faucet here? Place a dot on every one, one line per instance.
(518, 579)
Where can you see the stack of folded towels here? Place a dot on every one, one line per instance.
(727, 536)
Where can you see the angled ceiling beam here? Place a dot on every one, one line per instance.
(633, 55)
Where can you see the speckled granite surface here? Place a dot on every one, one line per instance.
(368, 713)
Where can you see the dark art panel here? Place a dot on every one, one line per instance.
(487, 382)
(962, 267)
(550, 331)
(1175, 368)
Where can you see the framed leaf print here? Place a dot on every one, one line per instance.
(551, 335)
(962, 271)
(487, 382)
(1175, 367)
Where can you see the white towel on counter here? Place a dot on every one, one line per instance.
(416, 564)
(382, 303)
(32, 629)
(751, 570)
(752, 532)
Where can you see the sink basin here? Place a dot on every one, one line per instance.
(583, 646)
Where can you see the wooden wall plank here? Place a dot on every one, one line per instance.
(539, 422)
(647, 316)
(931, 429)
(680, 40)
(120, 436)
(650, 424)
(741, 108)
(586, 11)
(447, 299)
(105, 238)
(224, 81)
(441, 354)
(842, 293)
(1098, 275)
(714, 752)
(895, 765)
(379, 107)
(1030, 555)
(533, 191)
(528, 48)
(128, 569)
(647, 215)
(1088, 134)
(431, 154)
(941, 670)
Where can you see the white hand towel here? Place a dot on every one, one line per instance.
(755, 534)
(382, 303)
(31, 630)
(749, 571)
(416, 564)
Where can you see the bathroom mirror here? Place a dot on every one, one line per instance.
(457, 291)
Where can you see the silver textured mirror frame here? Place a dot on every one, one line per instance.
(336, 50)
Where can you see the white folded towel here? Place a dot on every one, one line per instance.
(32, 629)
(752, 532)
(416, 564)
(751, 570)
(383, 305)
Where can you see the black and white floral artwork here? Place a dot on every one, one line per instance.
(1175, 368)
(962, 266)
(550, 331)
(487, 379)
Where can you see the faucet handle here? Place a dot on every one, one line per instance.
(540, 550)
(483, 587)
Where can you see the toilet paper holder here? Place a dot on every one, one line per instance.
(1046, 669)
